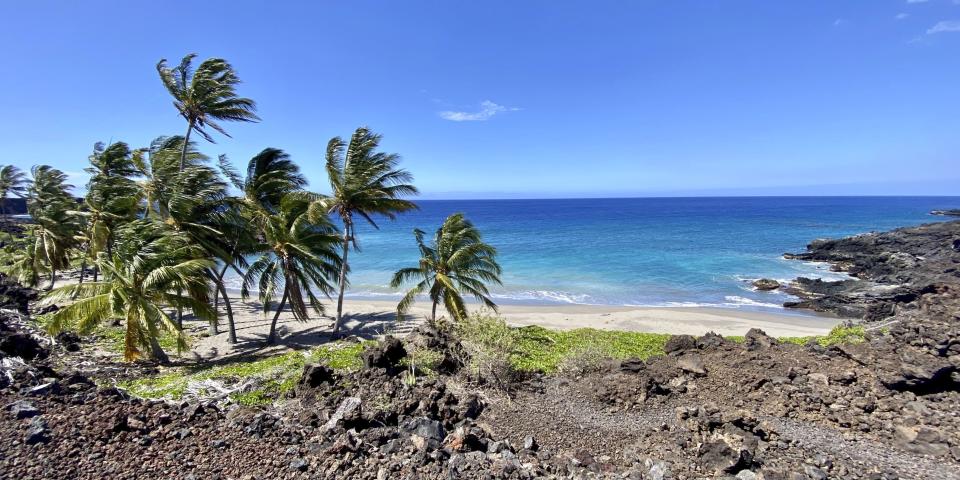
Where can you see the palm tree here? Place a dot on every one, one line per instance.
(112, 198)
(21, 263)
(363, 183)
(456, 262)
(193, 200)
(270, 175)
(12, 181)
(298, 249)
(50, 205)
(205, 96)
(149, 264)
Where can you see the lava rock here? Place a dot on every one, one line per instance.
(766, 284)
(757, 339)
(387, 355)
(37, 432)
(679, 343)
(22, 409)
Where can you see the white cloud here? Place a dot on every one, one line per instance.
(487, 109)
(917, 1)
(944, 26)
(901, 16)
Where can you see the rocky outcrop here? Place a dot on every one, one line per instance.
(893, 270)
(765, 284)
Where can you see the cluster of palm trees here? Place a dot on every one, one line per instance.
(160, 227)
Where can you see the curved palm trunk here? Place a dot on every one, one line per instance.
(53, 278)
(156, 352)
(343, 275)
(433, 313)
(231, 329)
(186, 141)
(219, 281)
(273, 325)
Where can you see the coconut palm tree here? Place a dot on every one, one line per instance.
(270, 175)
(112, 198)
(150, 264)
(456, 262)
(21, 263)
(205, 96)
(364, 183)
(298, 254)
(50, 204)
(193, 200)
(12, 182)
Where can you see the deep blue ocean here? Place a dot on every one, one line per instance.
(640, 251)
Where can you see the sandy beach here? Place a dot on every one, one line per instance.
(368, 318)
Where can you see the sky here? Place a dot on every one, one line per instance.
(510, 99)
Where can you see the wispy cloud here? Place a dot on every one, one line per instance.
(944, 26)
(838, 22)
(917, 1)
(901, 16)
(487, 110)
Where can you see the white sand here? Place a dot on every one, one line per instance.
(367, 318)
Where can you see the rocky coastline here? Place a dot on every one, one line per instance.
(881, 405)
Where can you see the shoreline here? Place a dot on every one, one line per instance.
(372, 318)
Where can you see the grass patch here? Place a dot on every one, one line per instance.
(540, 349)
(533, 348)
(843, 335)
(272, 376)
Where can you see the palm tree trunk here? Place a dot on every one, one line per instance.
(157, 353)
(186, 141)
(433, 313)
(179, 311)
(53, 278)
(273, 325)
(343, 275)
(231, 329)
(216, 293)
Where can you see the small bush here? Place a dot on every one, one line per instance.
(843, 335)
(490, 344)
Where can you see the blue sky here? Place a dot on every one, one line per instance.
(520, 98)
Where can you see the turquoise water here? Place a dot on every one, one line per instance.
(644, 251)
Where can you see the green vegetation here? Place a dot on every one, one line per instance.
(364, 183)
(540, 349)
(843, 335)
(268, 378)
(205, 96)
(12, 181)
(160, 228)
(152, 267)
(456, 262)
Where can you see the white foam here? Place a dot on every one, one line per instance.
(735, 300)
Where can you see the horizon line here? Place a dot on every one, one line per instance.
(681, 196)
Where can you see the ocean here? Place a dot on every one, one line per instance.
(682, 252)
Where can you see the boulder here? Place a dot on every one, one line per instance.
(315, 375)
(37, 432)
(766, 284)
(348, 409)
(757, 339)
(679, 343)
(386, 354)
(22, 409)
(692, 363)
(720, 457)
(70, 341)
(921, 439)
(21, 345)
(711, 340)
